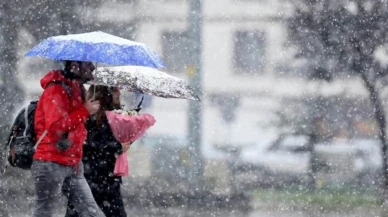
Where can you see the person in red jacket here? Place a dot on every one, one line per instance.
(59, 119)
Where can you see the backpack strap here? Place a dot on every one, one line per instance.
(26, 121)
(40, 139)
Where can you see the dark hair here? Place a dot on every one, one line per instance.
(67, 67)
(104, 95)
(67, 72)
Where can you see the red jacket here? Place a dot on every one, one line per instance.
(56, 113)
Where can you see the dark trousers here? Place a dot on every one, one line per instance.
(107, 197)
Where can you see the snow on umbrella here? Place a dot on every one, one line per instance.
(144, 80)
(97, 47)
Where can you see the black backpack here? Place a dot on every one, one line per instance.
(21, 141)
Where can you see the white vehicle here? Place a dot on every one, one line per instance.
(286, 161)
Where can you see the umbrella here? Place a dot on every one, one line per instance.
(97, 47)
(144, 80)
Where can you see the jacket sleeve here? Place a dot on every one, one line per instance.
(56, 105)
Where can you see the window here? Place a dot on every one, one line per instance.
(175, 47)
(249, 52)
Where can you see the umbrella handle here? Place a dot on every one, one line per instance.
(139, 105)
(94, 89)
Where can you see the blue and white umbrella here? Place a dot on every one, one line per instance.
(97, 47)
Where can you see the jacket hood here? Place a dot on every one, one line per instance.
(53, 76)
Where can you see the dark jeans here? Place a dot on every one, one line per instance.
(50, 178)
(108, 198)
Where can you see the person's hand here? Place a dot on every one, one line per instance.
(92, 106)
(126, 146)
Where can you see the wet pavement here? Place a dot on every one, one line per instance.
(22, 207)
(179, 212)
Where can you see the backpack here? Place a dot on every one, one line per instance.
(21, 141)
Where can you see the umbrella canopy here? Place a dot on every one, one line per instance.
(97, 47)
(144, 80)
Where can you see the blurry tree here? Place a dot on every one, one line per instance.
(307, 117)
(341, 37)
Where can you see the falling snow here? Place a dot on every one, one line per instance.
(292, 112)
